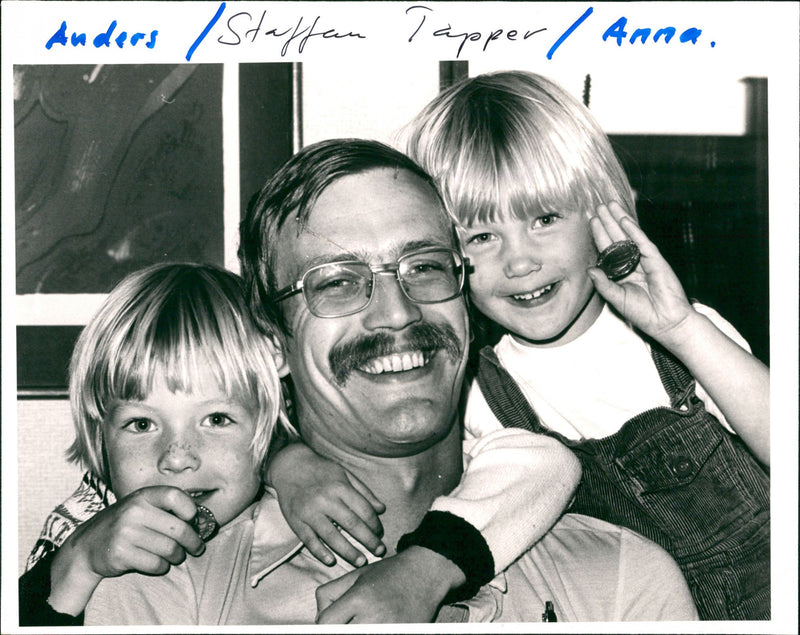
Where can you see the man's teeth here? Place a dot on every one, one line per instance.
(534, 294)
(395, 363)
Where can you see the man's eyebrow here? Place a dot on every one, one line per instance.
(324, 259)
(422, 244)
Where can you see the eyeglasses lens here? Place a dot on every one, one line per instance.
(343, 288)
(431, 276)
(337, 288)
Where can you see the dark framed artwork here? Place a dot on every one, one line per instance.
(121, 166)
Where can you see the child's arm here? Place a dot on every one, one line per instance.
(516, 485)
(317, 495)
(138, 533)
(652, 299)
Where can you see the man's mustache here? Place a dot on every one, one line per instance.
(427, 337)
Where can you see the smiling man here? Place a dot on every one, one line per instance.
(349, 251)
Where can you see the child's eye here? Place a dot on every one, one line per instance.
(218, 420)
(545, 221)
(480, 239)
(139, 425)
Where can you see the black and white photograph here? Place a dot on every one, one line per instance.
(325, 317)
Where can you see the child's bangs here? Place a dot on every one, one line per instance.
(519, 180)
(185, 349)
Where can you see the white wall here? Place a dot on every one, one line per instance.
(44, 432)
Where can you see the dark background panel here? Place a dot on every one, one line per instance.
(43, 354)
(265, 123)
(119, 167)
(698, 201)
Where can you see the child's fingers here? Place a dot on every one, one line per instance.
(618, 213)
(365, 533)
(607, 225)
(352, 502)
(170, 499)
(309, 538)
(171, 502)
(161, 545)
(612, 292)
(646, 246)
(366, 492)
(599, 233)
(330, 534)
(145, 561)
(611, 221)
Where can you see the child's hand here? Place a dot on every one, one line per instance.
(404, 588)
(318, 498)
(651, 297)
(147, 531)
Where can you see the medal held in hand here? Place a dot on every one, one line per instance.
(619, 259)
(204, 523)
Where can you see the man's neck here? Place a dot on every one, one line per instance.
(407, 485)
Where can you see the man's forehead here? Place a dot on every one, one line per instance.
(385, 212)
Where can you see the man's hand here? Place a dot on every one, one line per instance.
(147, 531)
(318, 498)
(405, 588)
(651, 297)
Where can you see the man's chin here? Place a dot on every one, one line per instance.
(408, 429)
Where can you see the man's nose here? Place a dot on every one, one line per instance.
(520, 259)
(389, 306)
(179, 455)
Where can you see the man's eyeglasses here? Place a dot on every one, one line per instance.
(336, 289)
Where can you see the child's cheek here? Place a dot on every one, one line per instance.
(131, 471)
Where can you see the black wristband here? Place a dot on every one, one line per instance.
(458, 541)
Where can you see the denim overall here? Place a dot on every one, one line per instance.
(677, 477)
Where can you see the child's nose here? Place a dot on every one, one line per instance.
(520, 261)
(178, 456)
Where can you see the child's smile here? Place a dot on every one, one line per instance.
(538, 294)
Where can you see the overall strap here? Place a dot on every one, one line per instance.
(676, 379)
(503, 395)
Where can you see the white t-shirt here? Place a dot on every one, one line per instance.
(587, 388)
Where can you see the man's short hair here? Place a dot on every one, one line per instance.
(292, 192)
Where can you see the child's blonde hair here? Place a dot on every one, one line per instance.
(175, 321)
(515, 144)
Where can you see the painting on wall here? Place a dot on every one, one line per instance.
(121, 166)
(117, 167)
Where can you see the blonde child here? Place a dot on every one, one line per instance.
(175, 396)
(658, 397)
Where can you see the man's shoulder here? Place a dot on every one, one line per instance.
(594, 570)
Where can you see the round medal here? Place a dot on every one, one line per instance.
(204, 523)
(619, 259)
